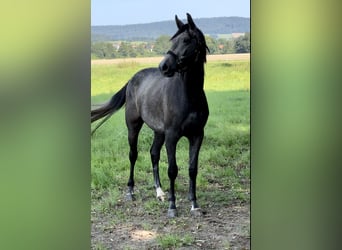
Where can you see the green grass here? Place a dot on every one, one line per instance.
(99, 246)
(174, 240)
(224, 162)
(227, 76)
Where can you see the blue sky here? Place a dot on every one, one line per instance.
(120, 12)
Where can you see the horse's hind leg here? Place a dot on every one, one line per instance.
(158, 142)
(133, 132)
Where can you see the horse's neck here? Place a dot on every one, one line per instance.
(194, 78)
(194, 84)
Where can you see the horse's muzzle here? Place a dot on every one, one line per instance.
(168, 66)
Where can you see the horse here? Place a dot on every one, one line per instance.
(171, 101)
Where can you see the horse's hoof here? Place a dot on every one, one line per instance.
(160, 194)
(129, 197)
(196, 212)
(172, 213)
(161, 198)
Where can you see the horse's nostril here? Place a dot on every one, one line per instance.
(165, 67)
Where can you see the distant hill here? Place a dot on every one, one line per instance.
(150, 31)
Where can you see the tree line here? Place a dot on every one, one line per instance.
(123, 49)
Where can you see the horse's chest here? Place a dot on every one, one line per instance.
(194, 121)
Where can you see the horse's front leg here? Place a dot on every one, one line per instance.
(195, 145)
(170, 144)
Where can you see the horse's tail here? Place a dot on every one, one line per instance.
(109, 108)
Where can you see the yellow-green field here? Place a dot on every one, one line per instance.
(106, 78)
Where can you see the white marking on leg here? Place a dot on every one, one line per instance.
(160, 194)
(194, 209)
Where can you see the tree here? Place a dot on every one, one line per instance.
(125, 50)
(162, 45)
(212, 44)
(243, 44)
(97, 50)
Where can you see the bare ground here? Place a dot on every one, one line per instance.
(131, 225)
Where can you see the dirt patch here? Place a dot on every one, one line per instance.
(130, 225)
(225, 57)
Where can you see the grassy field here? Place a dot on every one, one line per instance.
(224, 164)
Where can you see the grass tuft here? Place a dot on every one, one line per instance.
(174, 241)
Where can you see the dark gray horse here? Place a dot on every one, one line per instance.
(171, 101)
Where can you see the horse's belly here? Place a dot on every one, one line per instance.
(154, 122)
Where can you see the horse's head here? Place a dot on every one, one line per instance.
(188, 48)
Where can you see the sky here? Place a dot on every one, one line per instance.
(121, 12)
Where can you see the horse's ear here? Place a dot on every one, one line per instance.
(191, 22)
(178, 22)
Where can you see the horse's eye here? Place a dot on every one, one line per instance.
(187, 40)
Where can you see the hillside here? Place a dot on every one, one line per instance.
(149, 31)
